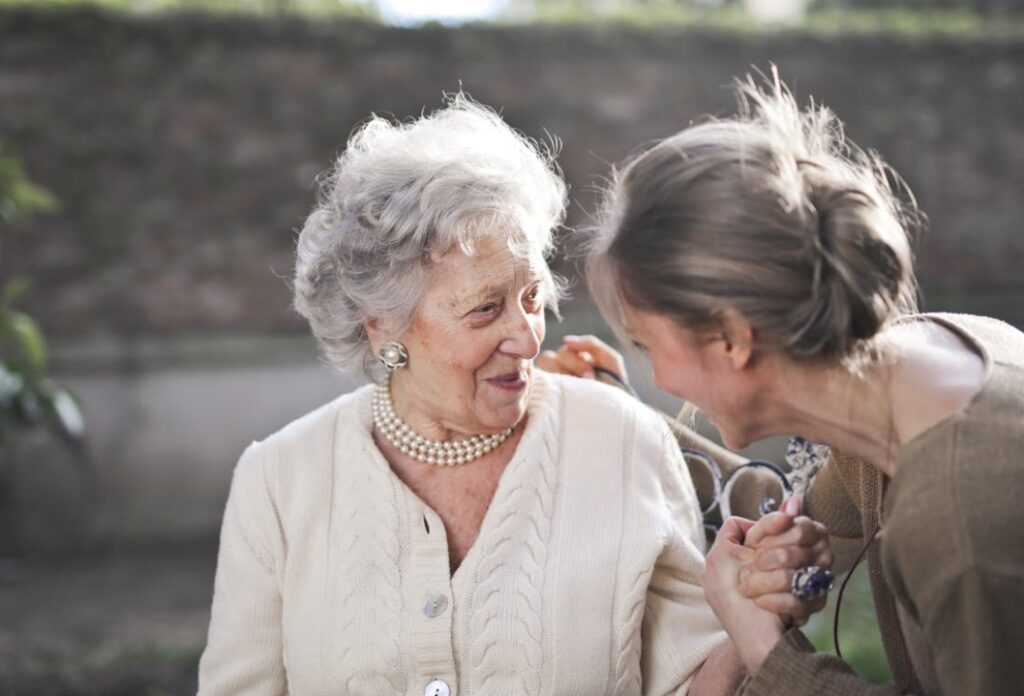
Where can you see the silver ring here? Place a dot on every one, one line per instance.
(811, 582)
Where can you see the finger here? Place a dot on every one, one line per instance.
(822, 554)
(588, 342)
(785, 603)
(792, 557)
(604, 355)
(734, 529)
(755, 583)
(771, 525)
(573, 364)
(724, 560)
(804, 532)
(791, 506)
(548, 362)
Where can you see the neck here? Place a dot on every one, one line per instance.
(419, 412)
(828, 404)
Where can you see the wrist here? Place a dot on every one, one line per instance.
(754, 643)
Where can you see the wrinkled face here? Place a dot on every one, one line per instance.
(472, 341)
(694, 366)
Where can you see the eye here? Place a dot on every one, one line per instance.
(532, 299)
(639, 346)
(488, 308)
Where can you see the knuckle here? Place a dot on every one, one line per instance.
(793, 606)
(782, 557)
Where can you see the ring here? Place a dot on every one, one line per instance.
(811, 582)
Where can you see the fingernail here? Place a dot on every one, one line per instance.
(792, 506)
(571, 337)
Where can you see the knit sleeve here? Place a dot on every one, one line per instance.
(793, 668)
(243, 654)
(679, 629)
(829, 501)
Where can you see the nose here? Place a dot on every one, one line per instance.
(525, 333)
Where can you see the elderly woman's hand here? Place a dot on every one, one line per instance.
(754, 631)
(579, 355)
(783, 542)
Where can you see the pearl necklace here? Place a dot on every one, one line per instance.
(398, 433)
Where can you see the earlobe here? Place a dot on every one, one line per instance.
(373, 332)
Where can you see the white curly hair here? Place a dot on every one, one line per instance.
(402, 193)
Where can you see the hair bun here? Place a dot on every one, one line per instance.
(860, 279)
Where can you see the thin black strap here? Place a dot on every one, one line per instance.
(904, 685)
(618, 379)
(842, 589)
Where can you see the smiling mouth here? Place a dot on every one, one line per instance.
(510, 381)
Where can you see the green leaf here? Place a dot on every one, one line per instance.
(20, 198)
(15, 288)
(33, 347)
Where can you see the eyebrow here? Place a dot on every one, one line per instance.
(489, 291)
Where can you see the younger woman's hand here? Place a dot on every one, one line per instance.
(579, 355)
(783, 542)
(753, 630)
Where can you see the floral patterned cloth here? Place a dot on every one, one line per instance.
(805, 459)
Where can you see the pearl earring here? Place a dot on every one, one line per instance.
(394, 356)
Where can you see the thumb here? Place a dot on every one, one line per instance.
(735, 529)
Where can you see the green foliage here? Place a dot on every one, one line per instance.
(19, 198)
(27, 396)
(340, 8)
(904, 19)
(909, 19)
(859, 635)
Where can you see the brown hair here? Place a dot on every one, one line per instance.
(773, 213)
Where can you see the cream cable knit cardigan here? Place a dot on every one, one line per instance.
(333, 575)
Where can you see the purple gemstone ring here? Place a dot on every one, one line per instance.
(811, 582)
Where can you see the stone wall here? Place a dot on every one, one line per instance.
(184, 150)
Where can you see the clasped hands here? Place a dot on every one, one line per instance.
(748, 577)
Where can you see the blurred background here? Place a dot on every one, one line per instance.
(157, 158)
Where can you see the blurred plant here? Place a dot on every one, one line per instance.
(859, 633)
(354, 9)
(27, 396)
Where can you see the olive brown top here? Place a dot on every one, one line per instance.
(947, 569)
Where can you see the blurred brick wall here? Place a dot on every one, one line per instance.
(184, 148)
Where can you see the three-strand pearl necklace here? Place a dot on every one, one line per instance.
(398, 433)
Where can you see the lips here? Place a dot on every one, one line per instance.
(510, 381)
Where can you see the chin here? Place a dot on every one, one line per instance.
(733, 442)
(504, 408)
(508, 415)
(732, 439)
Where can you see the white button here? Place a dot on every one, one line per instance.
(436, 605)
(437, 688)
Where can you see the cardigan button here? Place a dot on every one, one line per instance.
(436, 606)
(437, 688)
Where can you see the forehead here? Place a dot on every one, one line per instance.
(646, 324)
(492, 268)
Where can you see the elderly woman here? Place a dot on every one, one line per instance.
(466, 525)
(763, 264)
